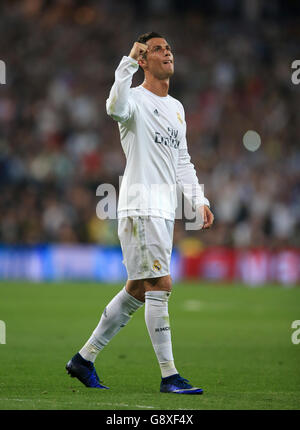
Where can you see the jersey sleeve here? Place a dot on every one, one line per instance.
(119, 105)
(187, 179)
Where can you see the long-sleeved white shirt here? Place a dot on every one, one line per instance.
(153, 138)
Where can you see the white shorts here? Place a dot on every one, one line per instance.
(146, 244)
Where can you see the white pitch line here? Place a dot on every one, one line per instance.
(147, 407)
(16, 400)
(192, 305)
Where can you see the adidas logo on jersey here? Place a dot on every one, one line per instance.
(156, 112)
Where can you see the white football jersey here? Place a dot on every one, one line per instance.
(153, 138)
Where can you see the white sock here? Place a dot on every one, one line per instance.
(115, 316)
(158, 325)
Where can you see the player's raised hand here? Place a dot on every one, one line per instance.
(138, 50)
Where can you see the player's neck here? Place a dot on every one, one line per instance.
(160, 87)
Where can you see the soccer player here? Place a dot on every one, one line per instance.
(153, 136)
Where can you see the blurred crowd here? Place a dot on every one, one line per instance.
(232, 74)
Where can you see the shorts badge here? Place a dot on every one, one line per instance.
(156, 265)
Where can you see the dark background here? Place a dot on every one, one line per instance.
(232, 74)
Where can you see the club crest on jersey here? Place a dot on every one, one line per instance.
(179, 117)
(156, 265)
(170, 140)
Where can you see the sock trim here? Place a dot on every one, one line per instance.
(132, 299)
(158, 295)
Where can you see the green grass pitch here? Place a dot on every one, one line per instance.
(231, 340)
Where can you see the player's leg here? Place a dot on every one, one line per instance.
(157, 236)
(115, 316)
(153, 237)
(118, 312)
(157, 294)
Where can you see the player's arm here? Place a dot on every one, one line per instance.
(188, 183)
(119, 105)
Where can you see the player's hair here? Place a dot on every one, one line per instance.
(143, 38)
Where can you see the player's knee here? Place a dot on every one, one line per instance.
(136, 289)
(164, 283)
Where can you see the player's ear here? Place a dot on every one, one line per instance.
(142, 62)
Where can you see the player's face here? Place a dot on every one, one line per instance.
(159, 59)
